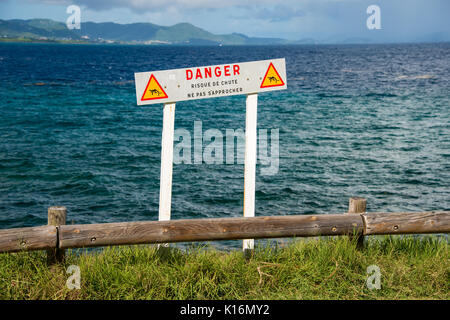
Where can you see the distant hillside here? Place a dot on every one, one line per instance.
(35, 29)
(138, 33)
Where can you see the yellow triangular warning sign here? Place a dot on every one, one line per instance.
(272, 78)
(153, 90)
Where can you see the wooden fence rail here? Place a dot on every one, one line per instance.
(92, 235)
(123, 233)
(34, 238)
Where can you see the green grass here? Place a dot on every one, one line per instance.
(329, 268)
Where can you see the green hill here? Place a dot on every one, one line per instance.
(35, 29)
(137, 33)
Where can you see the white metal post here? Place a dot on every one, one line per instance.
(250, 161)
(165, 187)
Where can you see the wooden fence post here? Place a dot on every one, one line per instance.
(357, 205)
(56, 217)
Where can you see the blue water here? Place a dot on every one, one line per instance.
(356, 120)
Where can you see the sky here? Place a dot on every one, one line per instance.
(322, 20)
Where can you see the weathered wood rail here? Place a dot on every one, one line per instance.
(93, 235)
(34, 238)
(59, 237)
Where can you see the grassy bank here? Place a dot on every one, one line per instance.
(317, 269)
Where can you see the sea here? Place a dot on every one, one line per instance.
(356, 120)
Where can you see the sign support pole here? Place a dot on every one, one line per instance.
(250, 163)
(165, 184)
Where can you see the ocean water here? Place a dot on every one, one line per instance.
(356, 120)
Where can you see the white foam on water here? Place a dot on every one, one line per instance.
(424, 76)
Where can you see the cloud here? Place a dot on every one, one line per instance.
(278, 13)
(148, 6)
(292, 19)
(268, 10)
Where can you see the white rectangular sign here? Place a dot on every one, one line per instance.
(210, 81)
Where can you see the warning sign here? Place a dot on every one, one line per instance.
(272, 78)
(168, 86)
(153, 90)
